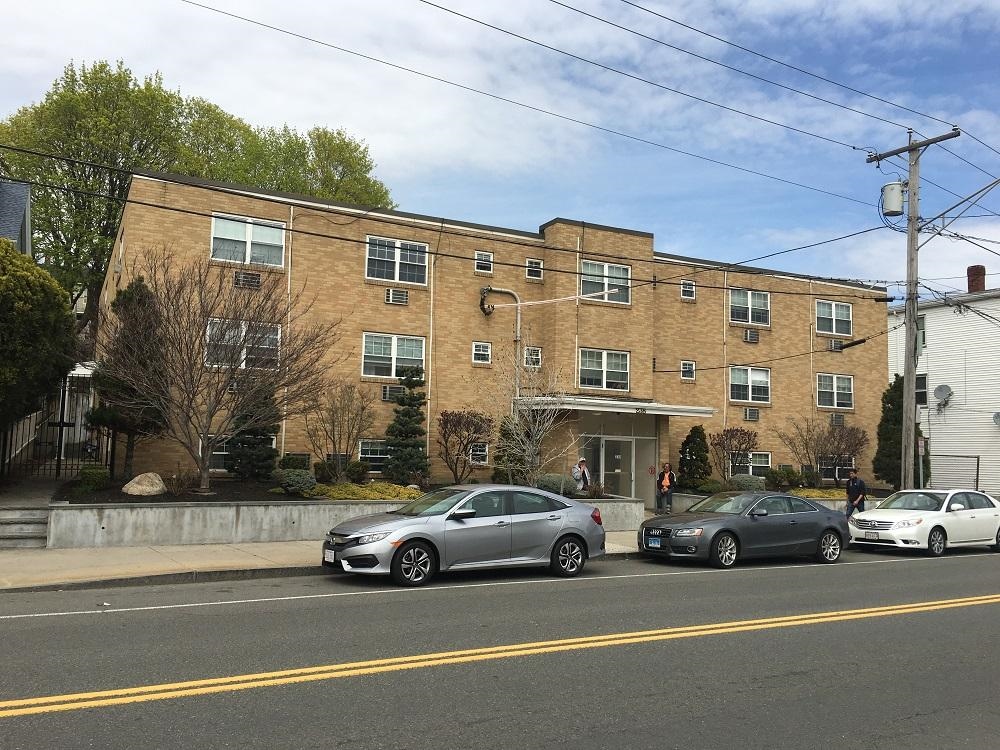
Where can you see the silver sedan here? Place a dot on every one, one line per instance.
(469, 527)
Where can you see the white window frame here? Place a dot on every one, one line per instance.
(689, 289)
(536, 265)
(398, 247)
(751, 296)
(835, 391)
(750, 372)
(483, 262)
(760, 464)
(532, 362)
(219, 451)
(479, 454)
(921, 332)
(689, 365)
(383, 454)
(604, 368)
(919, 390)
(826, 466)
(394, 351)
(482, 352)
(599, 274)
(242, 343)
(249, 223)
(833, 317)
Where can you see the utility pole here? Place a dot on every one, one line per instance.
(913, 151)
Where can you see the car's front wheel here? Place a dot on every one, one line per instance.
(568, 557)
(996, 546)
(830, 547)
(413, 564)
(936, 542)
(725, 550)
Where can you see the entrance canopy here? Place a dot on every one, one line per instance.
(614, 405)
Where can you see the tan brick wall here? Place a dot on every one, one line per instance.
(326, 258)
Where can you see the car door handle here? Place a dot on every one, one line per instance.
(554, 518)
(501, 523)
(792, 523)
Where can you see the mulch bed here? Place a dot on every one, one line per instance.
(223, 491)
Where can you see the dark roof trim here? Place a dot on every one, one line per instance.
(588, 225)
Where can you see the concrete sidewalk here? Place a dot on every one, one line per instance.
(38, 569)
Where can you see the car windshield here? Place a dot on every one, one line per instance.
(433, 503)
(724, 502)
(913, 501)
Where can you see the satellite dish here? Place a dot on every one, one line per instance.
(996, 418)
(943, 392)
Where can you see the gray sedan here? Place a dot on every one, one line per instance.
(469, 527)
(729, 526)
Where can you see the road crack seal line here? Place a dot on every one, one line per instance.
(74, 701)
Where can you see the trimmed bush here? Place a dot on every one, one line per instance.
(711, 487)
(323, 471)
(294, 481)
(779, 479)
(357, 471)
(371, 491)
(746, 482)
(557, 483)
(820, 494)
(95, 478)
(294, 461)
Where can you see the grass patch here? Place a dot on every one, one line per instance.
(372, 491)
(819, 494)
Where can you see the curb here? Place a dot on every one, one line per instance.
(210, 576)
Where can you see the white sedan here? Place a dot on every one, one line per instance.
(932, 520)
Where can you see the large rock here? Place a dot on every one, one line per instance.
(145, 485)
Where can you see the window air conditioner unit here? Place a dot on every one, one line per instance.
(836, 420)
(750, 414)
(751, 335)
(246, 280)
(390, 392)
(397, 296)
(835, 345)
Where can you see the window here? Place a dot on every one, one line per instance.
(798, 505)
(687, 290)
(220, 460)
(482, 352)
(750, 384)
(479, 454)
(687, 370)
(392, 392)
(921, 388)
(533, 269)
(242, 240)
(529, 502)
(758, 466)
(487, 504)
(836, 391)
(484, 262)
(237, 343)
(374, 453)
(833, 317)
(749, 307)
(385, 355)
(599, 279)
(921, 333)
(830, 467)
(533, 357)
(603, 369)
(396, 260)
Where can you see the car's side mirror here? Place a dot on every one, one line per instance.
(462, 513)
(758, 512)
(957, 506)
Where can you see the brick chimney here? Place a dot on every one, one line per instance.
(976, 276)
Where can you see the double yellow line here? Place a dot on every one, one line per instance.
(166, 691)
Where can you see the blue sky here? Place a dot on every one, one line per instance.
(448, 152)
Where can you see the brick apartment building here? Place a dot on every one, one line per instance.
(645, 344)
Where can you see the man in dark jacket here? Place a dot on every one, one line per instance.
(855, 492)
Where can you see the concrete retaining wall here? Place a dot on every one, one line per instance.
(146, 524)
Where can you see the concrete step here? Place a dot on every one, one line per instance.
(24, 514)
(38, 526)
(22, 540)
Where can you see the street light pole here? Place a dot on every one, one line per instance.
(913, 150)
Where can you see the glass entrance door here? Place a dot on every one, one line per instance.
(617, 467)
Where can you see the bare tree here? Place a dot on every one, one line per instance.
(458, 431)
(223, 347)
(843, 444)
(340, 416)
(805, 439)
(731, 446)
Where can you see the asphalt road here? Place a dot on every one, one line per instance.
(876, 652)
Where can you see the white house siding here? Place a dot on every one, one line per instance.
(962, 352)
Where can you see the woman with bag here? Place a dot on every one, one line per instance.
(665, 482)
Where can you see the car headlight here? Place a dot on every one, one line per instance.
(369, 538)
(909, 523)
(688, 532)
(852, 520)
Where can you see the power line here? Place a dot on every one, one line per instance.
(647, 81)
(384, 219)
(523, 105)
(633, 281)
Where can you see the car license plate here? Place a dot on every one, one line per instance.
(871, 535)
(653, 542)
(329, 555)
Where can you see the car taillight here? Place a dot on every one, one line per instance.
(596, 515)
